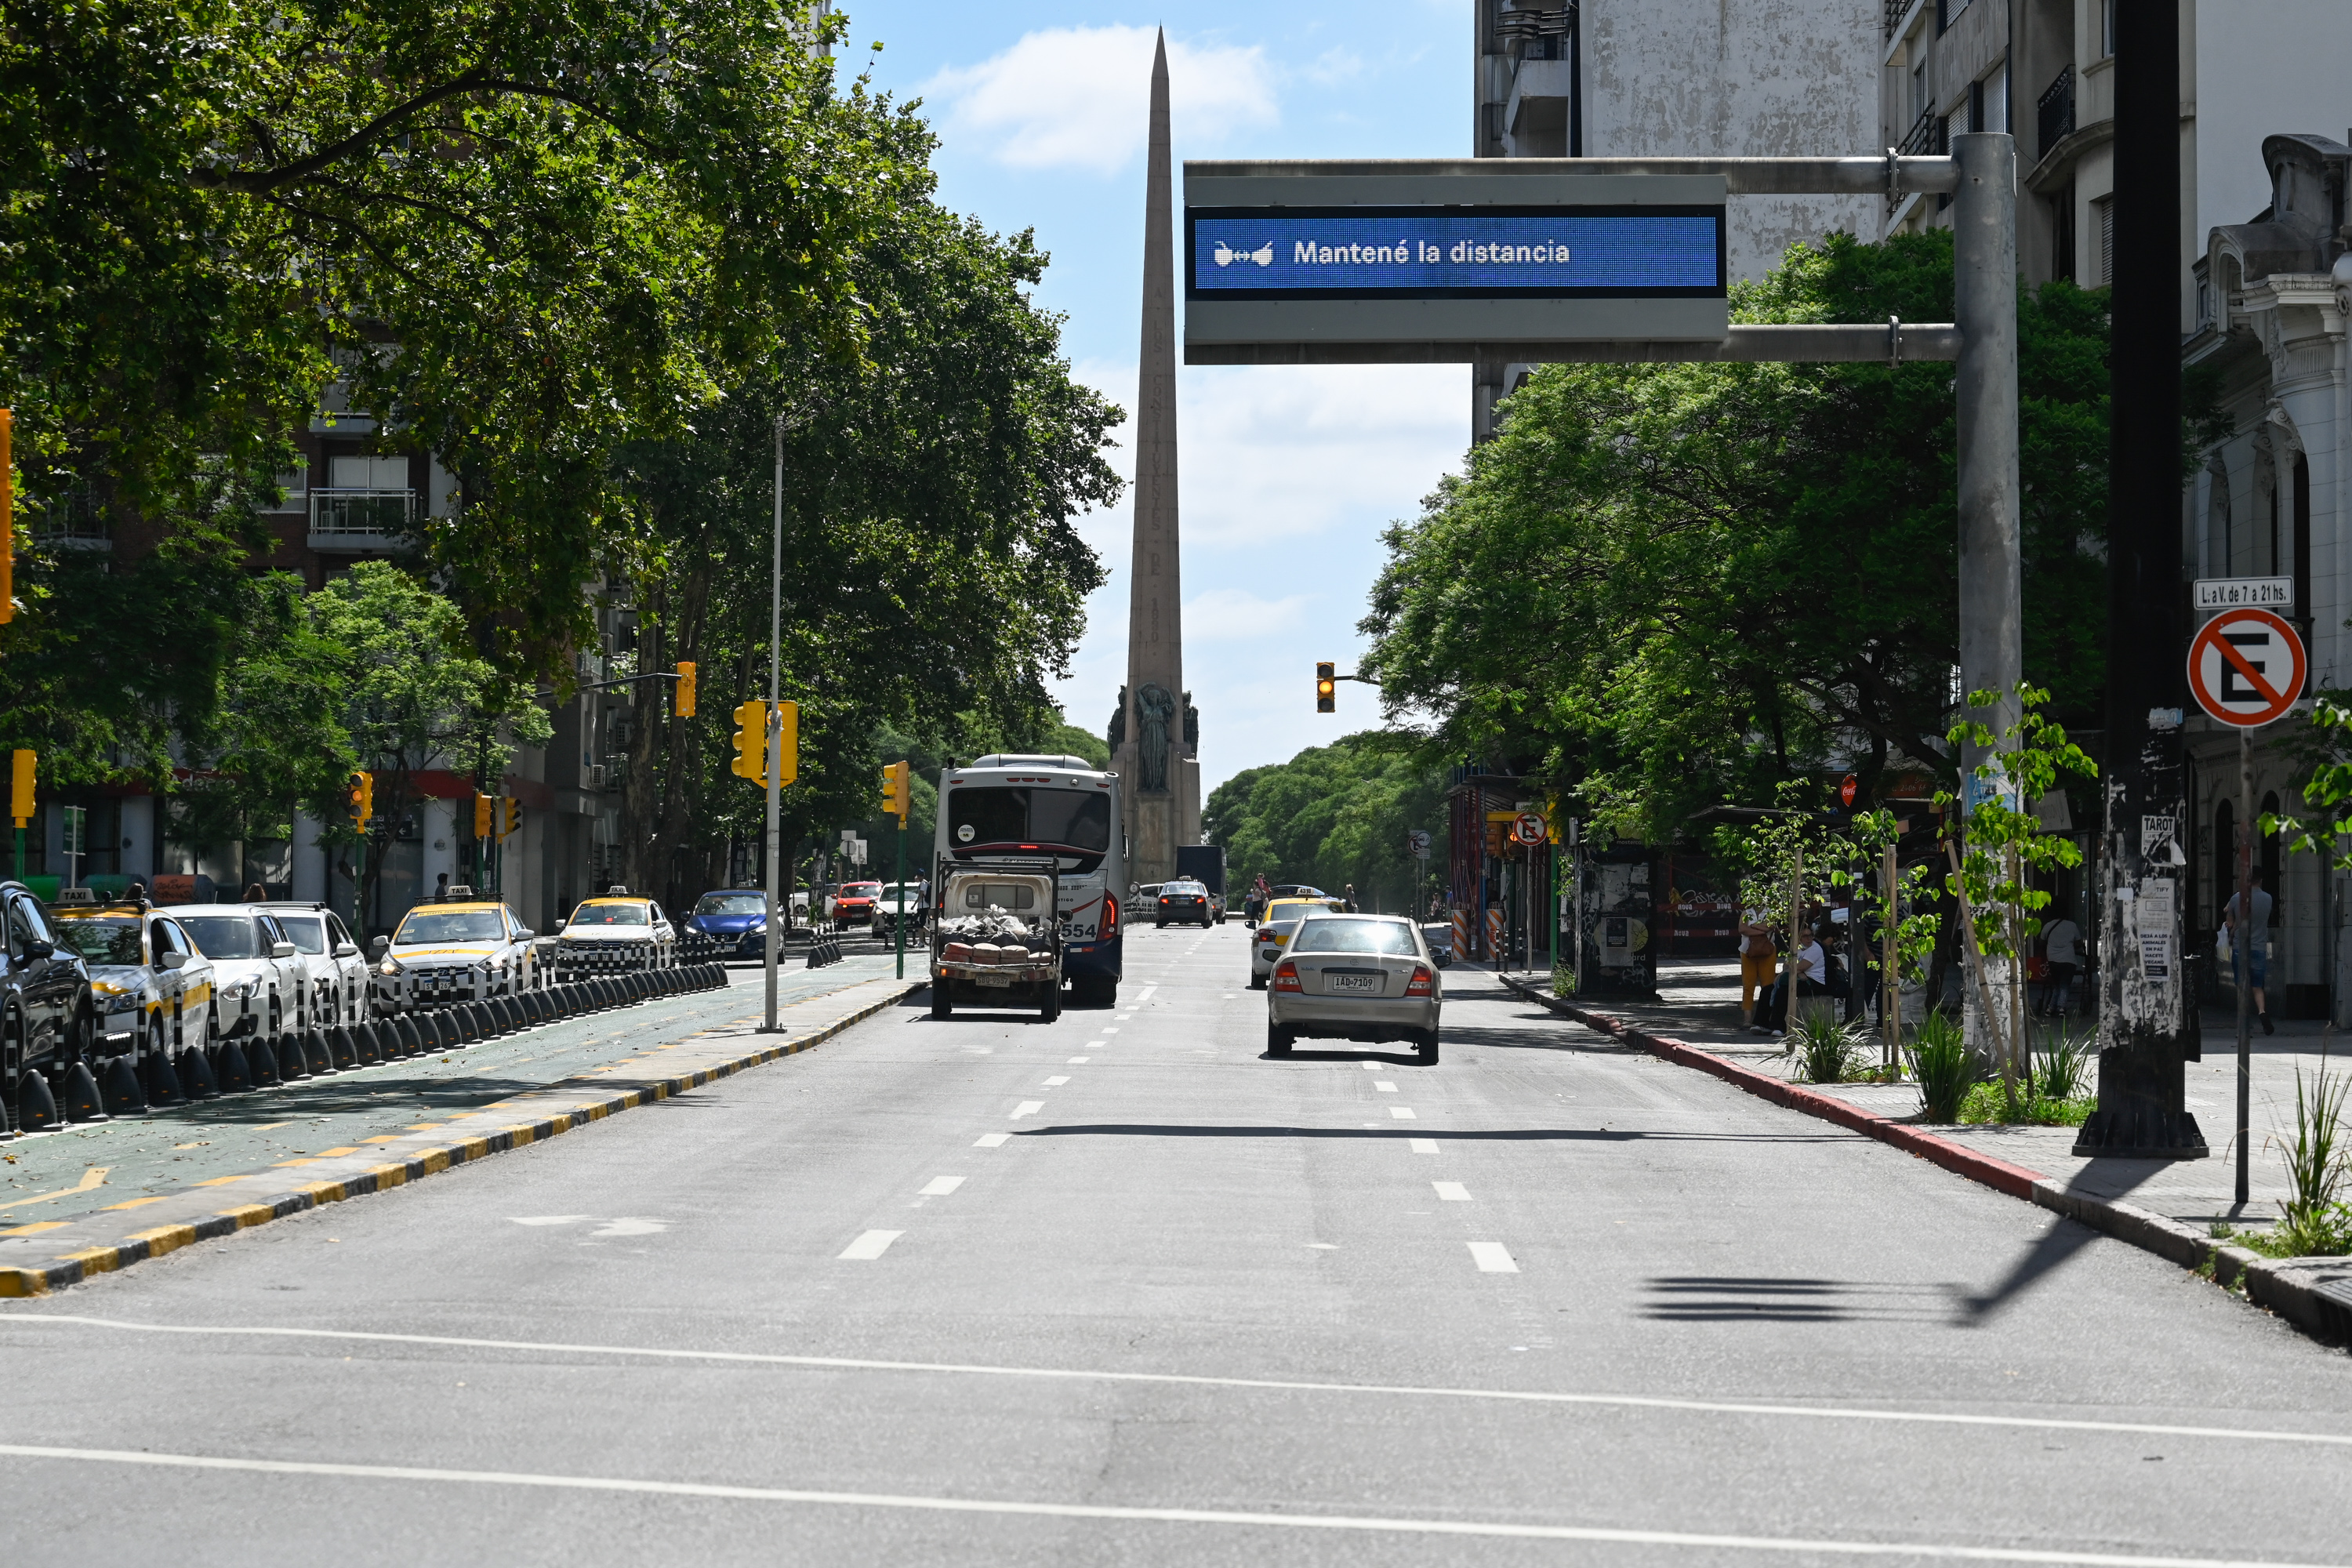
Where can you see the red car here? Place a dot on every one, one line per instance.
(853, 905)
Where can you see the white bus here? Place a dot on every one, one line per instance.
(1006, 806)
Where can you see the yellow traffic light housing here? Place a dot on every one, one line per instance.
(7, 519)
(750, 742)
(510, 817)
(788, 742)
(20, 787)
(685, 688)
(484, 822)
(1327, 687)
(898, 791)
(363, 798)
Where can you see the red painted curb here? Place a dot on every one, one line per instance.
(2015, 1181)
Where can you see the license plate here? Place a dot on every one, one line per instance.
(1001, 982)
(1368, 983)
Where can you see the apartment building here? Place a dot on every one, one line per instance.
(1607, 79)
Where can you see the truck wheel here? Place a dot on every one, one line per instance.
(941, 1007)
(1050, 1008)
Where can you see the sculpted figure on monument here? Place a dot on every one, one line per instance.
(1192, 721)
(1155, 710)
(1119, 723)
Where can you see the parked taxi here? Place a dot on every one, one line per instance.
(618, 931)
(153, 990)
(460, 950)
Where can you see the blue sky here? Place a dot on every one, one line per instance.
(1289, 473)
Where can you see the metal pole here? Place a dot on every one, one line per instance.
(901, 921)
(1984, 384)
(776, 720)
(1890, 987)
(2241, 936)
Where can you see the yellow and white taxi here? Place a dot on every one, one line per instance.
(154, 991)
(616, 932)
(461, 950)
(1273, 932)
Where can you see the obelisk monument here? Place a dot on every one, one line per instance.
(1156, 734)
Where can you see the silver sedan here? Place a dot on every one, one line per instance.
(1355, 978)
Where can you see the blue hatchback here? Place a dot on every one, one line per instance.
(734, 919)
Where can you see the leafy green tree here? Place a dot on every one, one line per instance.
(1330, 816)
(1664, 585)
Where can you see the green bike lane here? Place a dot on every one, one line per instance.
(89, 1167)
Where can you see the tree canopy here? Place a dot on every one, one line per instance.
(1330, 816)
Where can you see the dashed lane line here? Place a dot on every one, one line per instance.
(1423, 1145)
(1352, 1523)
(1026, 1107)
(993, 1140)
(1401, 1113)
(940, 1186)
(870, 1245)
(1452, 1192)
(1492, 1257)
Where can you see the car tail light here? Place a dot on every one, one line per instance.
(1420, 984)
(1285, 976)
(1163, 898)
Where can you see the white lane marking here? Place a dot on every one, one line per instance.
(1078, 1061)
(1361, 1523)
(631, 1227)
(1323, 1246)
(1109, 1029)
(1402, 1112)
(1144, 995)
(993, 1140)
(1384, 1085)
(1424, 1145)
(1097, 1045)
(1493, 1258)
(1452, 1192)
(555, 1219)
(1194, 1380)
(1057, 1082)
(1026, 1107)
(940, 1186)
(875, 1243)
(1370, 1066)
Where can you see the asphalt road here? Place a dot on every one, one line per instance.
(1121, 1289)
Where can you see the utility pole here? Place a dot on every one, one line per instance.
(775, 720)
(2147, 1009)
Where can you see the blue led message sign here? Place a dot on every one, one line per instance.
(1439, 253)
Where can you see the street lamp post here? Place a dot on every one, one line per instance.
(775, 719)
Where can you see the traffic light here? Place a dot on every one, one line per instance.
(685, 688)
(750, 742)
(1327, 688)
(484, 809)
(7, 519)
(788, 742)
(510, 817)
(363, 798)
(20, 791)
(898, 792)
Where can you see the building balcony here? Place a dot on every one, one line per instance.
(360, 520)
(2054, 113)
(74, 529)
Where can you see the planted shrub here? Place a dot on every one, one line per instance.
(1943, 1065)
(1824, 1049)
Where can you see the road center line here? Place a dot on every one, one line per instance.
(870, 1245)
(1452, 1192)
(993, 1140)
(1352, 1522)
(1191, 1380)
(1027, 1108)
(1423, 1145)
(939, 1186)
(1492, 1257)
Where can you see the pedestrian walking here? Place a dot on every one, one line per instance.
(2060, 960)
(2250, 943)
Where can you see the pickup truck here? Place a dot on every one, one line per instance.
(996, 940)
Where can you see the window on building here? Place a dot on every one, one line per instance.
(368, 473)
(2299, 523)
(1947, 11)
(1918, 91)
(2062, 235)
(2218, 541)
(1990, 110)
(2106, 29)
(2103, 211)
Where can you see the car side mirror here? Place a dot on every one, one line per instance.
(347, 950)
(379, 946)
(558, 926)
(282, 950)
(40, 949)
(174, 960)
(525, 934)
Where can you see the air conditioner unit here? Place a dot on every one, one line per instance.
(593, 776)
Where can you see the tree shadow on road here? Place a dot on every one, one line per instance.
(1727, 1299)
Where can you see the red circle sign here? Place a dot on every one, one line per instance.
(2246, 667)
(1528, 828)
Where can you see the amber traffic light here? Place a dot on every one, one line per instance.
(20, 788)
(363, 798)
(1327, 687)
(685, 688)
(898, 791)
(510, 817)
(484, 819)
(750, 742)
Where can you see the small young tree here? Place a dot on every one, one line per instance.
(2001, 844)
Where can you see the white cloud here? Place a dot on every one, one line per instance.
(1079, 98)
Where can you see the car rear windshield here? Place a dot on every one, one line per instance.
(1293, 910)
(1015, 814)
(1003, 894)
(610, 915)
(102, 942)
(222, 936)
(1329, 935)
(307, 932)
(1182, 889)
(450, 925)
(731, 904)
(860, 889)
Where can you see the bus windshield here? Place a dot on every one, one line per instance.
(1022, 815)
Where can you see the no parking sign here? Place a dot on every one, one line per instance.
(2246, 667)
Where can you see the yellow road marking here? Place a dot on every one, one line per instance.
(90, 1178)
(133, 1203)
(36, 1229)
(332, 1153)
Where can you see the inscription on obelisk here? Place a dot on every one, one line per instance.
(1156, 734)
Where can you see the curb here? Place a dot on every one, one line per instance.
(76, 1266)
(2321, 1307)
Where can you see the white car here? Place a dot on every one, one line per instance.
(615, 934)
(338, 972)
(1355, 978)
(261, 978)
(153, 987)
(440, 954)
